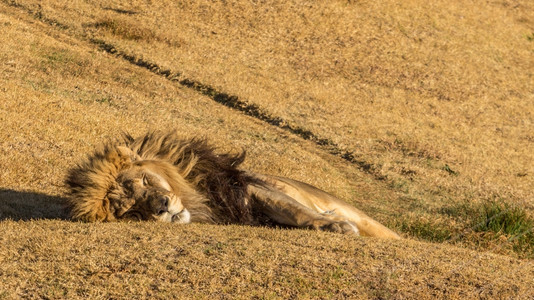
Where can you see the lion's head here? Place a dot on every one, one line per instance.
(117, 183)
(141, 192)
(162, 177)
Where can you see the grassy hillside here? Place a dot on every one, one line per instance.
(162, 261)
(419, 113)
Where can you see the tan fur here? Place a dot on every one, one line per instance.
(329, 206)
(162, 177)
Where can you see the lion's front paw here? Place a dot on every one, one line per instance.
(344, 227)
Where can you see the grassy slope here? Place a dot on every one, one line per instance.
(147, 260)
(399, 105)
(432, 99)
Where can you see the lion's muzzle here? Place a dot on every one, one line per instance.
(161, 204)
(167, 207)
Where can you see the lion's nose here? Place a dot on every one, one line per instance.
(162, 205)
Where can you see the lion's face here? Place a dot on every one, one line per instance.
(143, 194)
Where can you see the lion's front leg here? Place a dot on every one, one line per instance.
(287, 211)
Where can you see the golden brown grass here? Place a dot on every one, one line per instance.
(431, 102)
(162, 261)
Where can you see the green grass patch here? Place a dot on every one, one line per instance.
(507, 220)
(499, 218)
(433, 231)
(493, 223)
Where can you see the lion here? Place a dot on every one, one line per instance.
(164, 177)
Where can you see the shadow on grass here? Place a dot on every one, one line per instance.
(24, 206)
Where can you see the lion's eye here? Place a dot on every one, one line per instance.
(145, 180)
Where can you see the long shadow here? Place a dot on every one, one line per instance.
(24, 206)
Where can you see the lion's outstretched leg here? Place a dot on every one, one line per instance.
(327, 205)
(287, 211)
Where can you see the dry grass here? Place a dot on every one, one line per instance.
(420, 113)
(162, 261)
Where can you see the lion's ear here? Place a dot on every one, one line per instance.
(122, 157)
(127, 153)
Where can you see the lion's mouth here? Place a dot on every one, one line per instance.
(182, 217)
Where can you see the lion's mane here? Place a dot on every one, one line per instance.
(214, 175)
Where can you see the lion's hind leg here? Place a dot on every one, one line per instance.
(285, 210)
(339, 221)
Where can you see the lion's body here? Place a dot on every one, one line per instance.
(162, 177)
